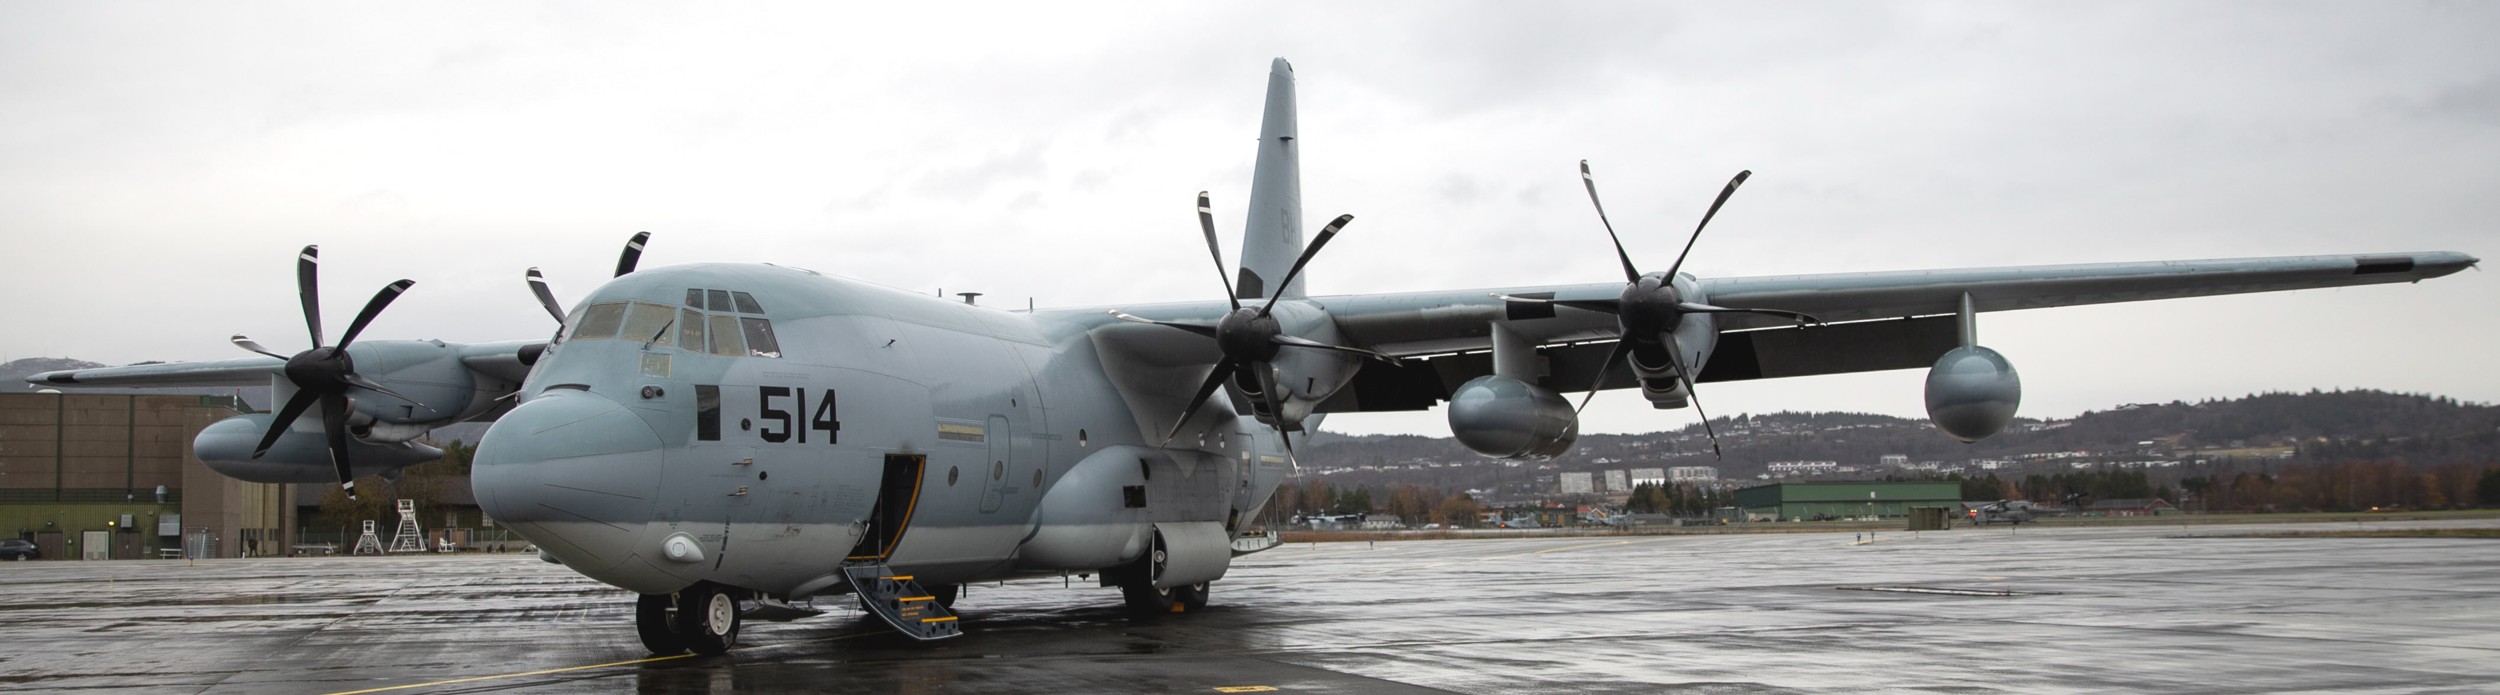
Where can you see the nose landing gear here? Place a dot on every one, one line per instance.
(703, 618)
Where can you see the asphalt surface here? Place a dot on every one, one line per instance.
(1971, 611)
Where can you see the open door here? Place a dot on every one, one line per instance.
(897, 495)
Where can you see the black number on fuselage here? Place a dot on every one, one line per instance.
(769, 413)
(826, 418)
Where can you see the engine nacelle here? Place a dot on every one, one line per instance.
(1507, 418)
(300, 456)
(1972, 393)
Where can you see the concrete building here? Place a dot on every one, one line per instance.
(92, 476)
(1783, 469)
(1618, 481)
(1844, 500)
(1649, 476)
(1577, 483)
(1693, 474)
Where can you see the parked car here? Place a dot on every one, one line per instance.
(18, 549)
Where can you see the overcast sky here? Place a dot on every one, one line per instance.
(160, 164)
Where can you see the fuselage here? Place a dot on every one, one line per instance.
(759, 414)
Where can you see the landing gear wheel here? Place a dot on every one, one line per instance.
(1192, 597)
(652, 619)
(707, 619)
(946, 594)
(1145, 599)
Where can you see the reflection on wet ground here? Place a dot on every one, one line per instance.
(2045, 610)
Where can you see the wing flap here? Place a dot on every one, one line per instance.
(248, 371)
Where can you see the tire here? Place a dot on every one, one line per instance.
(946, 594)
(1145, 600)
(707, 618)
(1192, 597)
(653, 614)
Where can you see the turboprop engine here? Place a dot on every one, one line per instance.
(299, 455)
(1507, 418)
(1972, 393)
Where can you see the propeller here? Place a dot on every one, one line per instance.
(322, 375)
(625, 262)
(1651, 306)
(1250, 337)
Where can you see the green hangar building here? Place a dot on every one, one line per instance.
(1844, 500)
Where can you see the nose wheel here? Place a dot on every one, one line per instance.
(703, 618)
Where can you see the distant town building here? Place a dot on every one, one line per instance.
(1789, 468)
(1577, 484)
(1895, 461)
(1649, 476)
(1692, 474)
(1617, 481)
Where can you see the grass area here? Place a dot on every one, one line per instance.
(1900, 525)
(2491, 533)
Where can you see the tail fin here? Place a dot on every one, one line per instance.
(1273, 238)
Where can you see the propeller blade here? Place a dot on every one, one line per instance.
(1325, 233)
(1675, 356)
(359, 381)
(1705, 220)
(1623, 347)
(247, 344)
(632, 255)
(308, 289)
(294, 408)
(1206, 224)
(1290, 458)
(1208, 331)
(374, 308)
(1609, 306)
(1693, 308)
(1630, 274)
(1215, 380)
(1293, 341)
(1269, 391)
(546, 295)
(334, 424)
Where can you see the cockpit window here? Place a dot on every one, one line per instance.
(646, 322)
(720, 300)
(690, 330)
(694, 298)
(726, 339)
(600, 321)
(759, 334)
(746, 303)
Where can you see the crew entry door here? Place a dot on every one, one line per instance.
(898, 495)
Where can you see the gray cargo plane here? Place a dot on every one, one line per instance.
(728, 439)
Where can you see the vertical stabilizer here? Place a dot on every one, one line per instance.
(1273, 237)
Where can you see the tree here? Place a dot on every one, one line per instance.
(1459, 511)
(2487, 492)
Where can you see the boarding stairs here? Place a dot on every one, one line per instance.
(901, 603)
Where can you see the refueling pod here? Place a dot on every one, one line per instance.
(1502, 417)
(1972, 393)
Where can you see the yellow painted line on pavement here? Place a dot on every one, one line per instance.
(568, 669)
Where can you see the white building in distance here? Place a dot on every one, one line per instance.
(1617, 481)
(1788, 468)
(1577, 484)
(1693, 474)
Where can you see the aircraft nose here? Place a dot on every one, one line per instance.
(573, 472)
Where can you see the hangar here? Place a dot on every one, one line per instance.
(1844, 500)
(112, 476)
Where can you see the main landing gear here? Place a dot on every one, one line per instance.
(703, 618)
(1137, 585)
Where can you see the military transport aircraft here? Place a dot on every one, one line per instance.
(727, 439)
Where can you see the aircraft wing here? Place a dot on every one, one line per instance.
(248, 371)
(1877, 320)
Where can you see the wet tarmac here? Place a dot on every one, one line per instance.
(1973, 611)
